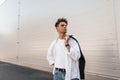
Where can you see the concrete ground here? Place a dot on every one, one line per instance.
(14, 72)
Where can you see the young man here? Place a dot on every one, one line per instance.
(64, 54)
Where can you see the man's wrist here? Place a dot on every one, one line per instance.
(67, 45)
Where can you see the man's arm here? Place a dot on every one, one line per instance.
(50, 54)
(66, 42)
(73, 50)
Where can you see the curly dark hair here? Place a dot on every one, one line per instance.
(61, 20)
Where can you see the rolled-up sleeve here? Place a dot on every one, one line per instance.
(74, 50)
(74, 54)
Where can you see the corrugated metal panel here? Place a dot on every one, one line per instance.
(117, 20)
(8, 26)
(32, 30)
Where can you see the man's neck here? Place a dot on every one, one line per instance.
(61, 36)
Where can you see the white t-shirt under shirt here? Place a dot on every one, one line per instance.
(60, 51)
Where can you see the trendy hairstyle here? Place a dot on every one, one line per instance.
(61, 20)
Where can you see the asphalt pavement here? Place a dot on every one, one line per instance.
(14, 72)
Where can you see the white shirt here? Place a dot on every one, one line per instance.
(60, 51)
(71, 58)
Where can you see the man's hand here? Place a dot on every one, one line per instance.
(66, 38)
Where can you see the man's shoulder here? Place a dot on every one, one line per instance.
(73, 37)
(53, 42)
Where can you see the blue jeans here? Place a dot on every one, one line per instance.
(59, 75)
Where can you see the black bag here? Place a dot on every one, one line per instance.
(81, 60)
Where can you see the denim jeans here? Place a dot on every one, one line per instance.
(59, 75)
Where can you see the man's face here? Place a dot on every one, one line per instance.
(62, 27)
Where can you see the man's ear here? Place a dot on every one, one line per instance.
(57, 29)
